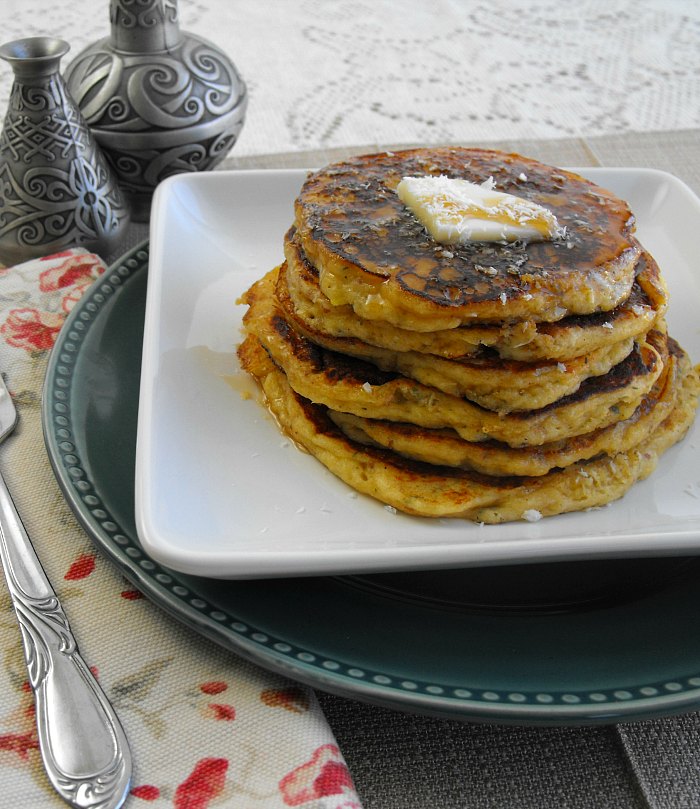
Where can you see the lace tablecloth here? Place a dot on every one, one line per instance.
(330, 73)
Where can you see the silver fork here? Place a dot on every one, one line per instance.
(83, 745)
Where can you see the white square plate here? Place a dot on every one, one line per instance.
(221, 493)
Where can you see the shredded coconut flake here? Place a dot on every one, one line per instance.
(532, 515)
(367, 388)
(503, 298)
(390, 509)
(607, 325)
(486, 270)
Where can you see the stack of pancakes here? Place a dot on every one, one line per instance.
(488, 380)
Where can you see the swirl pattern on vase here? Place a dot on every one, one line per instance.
(162, 113)
(133, 13)
(55, 188)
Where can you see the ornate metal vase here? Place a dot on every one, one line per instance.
(56, 188)
(159, 101)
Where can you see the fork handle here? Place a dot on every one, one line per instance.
(83, 745)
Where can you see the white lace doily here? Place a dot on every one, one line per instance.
(326, 73)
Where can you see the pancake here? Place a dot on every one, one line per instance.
(525, 341)
(493, 383)
(354, 386)
(446, 448)
(434, 491)
(374, 255)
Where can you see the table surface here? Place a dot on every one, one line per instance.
(590, 84)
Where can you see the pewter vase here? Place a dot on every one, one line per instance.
(160, 101)
(56, 188)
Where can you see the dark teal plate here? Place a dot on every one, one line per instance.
(559, 643)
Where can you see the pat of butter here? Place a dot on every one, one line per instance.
(456, 211)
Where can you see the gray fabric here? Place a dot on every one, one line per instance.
(402, 761)
(665, 758)
(675, 152)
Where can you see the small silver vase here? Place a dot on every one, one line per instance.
(56, 188)
(160, 101)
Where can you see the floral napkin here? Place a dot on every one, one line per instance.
(207, 729)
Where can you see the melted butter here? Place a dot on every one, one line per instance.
(455, 211)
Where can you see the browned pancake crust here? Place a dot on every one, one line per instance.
(435, 491)
(445, 448)
(488, 380)
(353, 227)
(354, 386)
(524, 341)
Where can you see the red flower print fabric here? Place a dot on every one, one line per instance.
(81, 568)
(207, 729)
(204, 784)
(31, 329)
(325, 774)
(57, 283)
(72, 271)
(291, 699)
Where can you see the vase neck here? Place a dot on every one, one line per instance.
(144, 26)
(34, 57)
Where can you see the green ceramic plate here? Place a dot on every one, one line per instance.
(548, 643)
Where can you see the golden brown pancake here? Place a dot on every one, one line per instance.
(373, 255)
(446, 448)
(438, 491)
(526, 340)
(354, 386)
(493, 383)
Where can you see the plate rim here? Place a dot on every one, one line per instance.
(161, 585)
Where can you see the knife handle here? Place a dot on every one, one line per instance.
(84, 748)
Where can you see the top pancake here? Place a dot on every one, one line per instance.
(373, 254)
